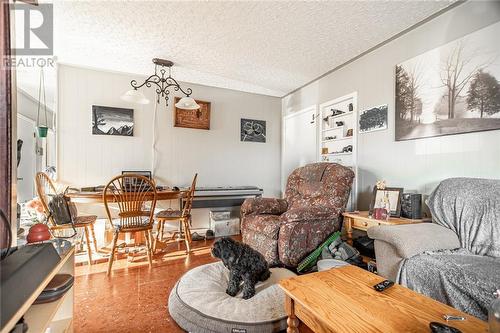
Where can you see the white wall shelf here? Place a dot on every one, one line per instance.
(339, 139)
(333, 128)
(347, 104)
(345, 114)
(336, 154)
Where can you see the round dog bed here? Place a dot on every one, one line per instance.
(199, 303)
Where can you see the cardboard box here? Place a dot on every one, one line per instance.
(220, 215)
(228, 227)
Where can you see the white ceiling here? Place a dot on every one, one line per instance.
(264, 47)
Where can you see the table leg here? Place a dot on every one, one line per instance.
(348, 227)
(292, 321)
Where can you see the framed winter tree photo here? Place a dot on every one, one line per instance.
(452, 89)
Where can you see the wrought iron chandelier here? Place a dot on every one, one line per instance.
(162, 83)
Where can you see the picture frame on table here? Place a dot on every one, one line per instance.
(144, 173)
(132, 184)
(395, 195)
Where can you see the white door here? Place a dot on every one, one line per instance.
(26, 168)
(299, 141)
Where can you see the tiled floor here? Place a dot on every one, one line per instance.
(134, 297)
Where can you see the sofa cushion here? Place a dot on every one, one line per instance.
(470, 207)
(310, 189)
(454, 277)
(266, 246)
(307, 214)
(297, 240)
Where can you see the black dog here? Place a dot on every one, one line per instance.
(244, 263)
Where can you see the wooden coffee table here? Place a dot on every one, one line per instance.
(343, 300)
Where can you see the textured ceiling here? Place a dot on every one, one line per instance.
(269, 48)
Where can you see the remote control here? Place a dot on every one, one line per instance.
(442, 328)
(383, 285)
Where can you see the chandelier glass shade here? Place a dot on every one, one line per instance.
(162, 81)
(187, 103)
(135, 96)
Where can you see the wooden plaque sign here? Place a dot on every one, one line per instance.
(199, 119)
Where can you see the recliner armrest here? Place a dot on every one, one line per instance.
(412, 239)
(271, 206)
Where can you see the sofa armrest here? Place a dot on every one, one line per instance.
(263, 206)
(412, 239)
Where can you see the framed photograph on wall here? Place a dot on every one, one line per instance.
(198, 119)
(107, 120)
(252, 130)
(373, 119)
(394, 195)
(452, 89)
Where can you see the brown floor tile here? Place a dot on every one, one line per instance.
(134, 298)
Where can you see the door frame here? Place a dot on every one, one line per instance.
(310, 108)
(33, 148)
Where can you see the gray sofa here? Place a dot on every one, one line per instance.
(455, 259)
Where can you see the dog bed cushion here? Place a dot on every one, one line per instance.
(199, 303)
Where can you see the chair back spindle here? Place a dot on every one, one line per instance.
(132, 193)
(45, 189)
(189, 198)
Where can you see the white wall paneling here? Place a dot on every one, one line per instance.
(217, 155)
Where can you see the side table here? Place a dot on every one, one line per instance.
(361, 221)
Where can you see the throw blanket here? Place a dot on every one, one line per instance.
(471, 208)
(455, 277)
(464, 278)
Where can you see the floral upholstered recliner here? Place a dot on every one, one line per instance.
(286, 230)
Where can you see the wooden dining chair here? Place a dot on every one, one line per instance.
(45, 189)
(135, 196)
(183, 217)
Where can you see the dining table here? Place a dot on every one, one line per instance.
(135, 239)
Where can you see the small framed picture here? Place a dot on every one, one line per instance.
(349, 132)
(394, 194)
(252, 130)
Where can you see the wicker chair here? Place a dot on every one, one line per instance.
(45, 189)
(131, 193)
(183, 217)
